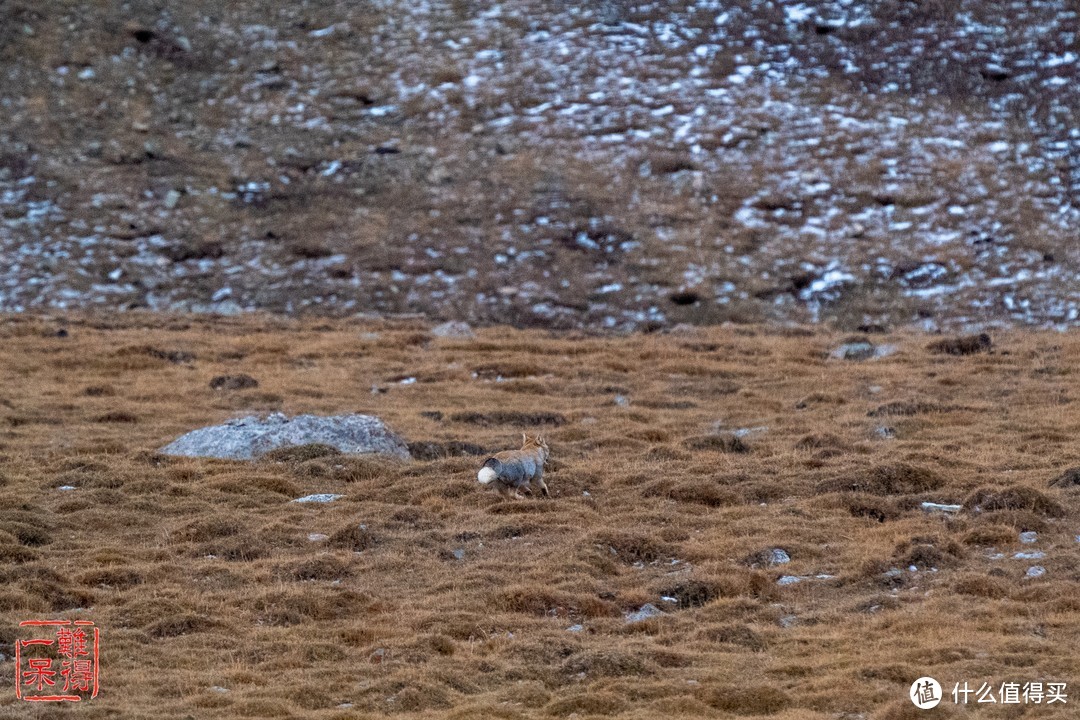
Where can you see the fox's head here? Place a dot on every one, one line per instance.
(537, 441)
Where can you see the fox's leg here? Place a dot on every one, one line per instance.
(505, 490)
(543, 486)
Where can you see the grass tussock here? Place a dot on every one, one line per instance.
(421, 592)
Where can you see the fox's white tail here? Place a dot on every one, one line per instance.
(486, 475)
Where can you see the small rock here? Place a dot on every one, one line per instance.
(453, 329)
(219, 689)
(885, 433)
(669, 599)
(859, 350)
(789, 580)
(1035, 571)
(913, 568)
(575, 628)
(345, 706)
(458, 554)
(317, 537)
(938, 507)
(788, 621)
(1035, 555)
(318, 498)
(66, 487)
(250, 437)
(172, 198)
(622, 400)
(778, 556)
(1029, 537)
(646, 611)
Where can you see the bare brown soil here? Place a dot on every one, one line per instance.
(431, 596)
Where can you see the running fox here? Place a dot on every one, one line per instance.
(516, 470)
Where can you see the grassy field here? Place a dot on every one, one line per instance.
(679, 462)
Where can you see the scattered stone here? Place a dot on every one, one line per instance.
(622, 400)
(1033, 555)
(789, 580)
(458, 554)
(885, 433)
(778, 556)
(453, 329)
(788, 621)
(575, 628)
(318, 498)
(233, 382)
(172, 198)
(250, 437)
(858, 350)
(317, 537)
(219, 689)
(646, 611)
(938, 507)
(1029, 537)
(66, 487)
(1035, 571)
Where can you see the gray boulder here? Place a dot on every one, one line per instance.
(249, 437)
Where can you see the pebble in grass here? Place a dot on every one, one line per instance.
(318, 498)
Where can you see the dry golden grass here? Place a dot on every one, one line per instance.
(201, 573)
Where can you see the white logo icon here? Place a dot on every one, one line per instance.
(925, 693)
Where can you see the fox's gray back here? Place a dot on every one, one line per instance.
(517, 472)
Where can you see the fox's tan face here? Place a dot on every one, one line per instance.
(534, 441)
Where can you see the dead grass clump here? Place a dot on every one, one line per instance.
(823, 441)
(58, 596)
(965, 345)
(244, 484)
(493, 371)
(693, 593)
(1016, 497)
(433, 450)
(209, 528)
(180, 624)
(928, 552)
(177, 357)
(585, 704)
(363, 469)
(117, 416)
(905, 408)
(1021, 520)
(233, 382)
(664, 454)
(543, 600)
(354, 537)
(321, 567)
(717, 443)
(236, 548)
(893, 479)
(704, 492)
(301, 453)
(607, 663)
(33, 534)
(746, 700)
(16, 554)
(1067, 479)
(631, 547)
(113, 577)
(990, 535)
(740, 635)
(507, 417)
(873, 507)
(980, 586)
(99, 391)
(292, 607)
